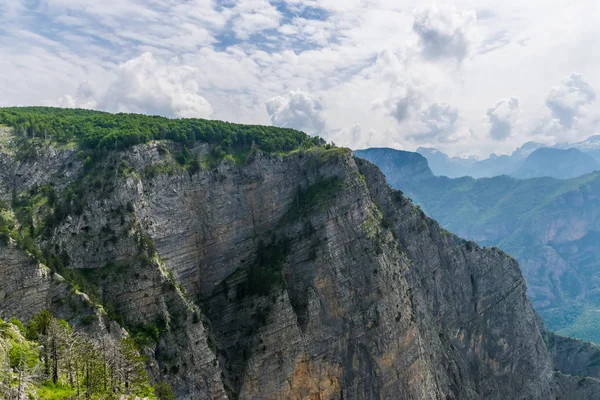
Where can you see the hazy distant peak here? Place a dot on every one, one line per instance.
(532, 145)
(557, 163)
(398, 165)
(593, 139)
(591, 143)
(430, 150)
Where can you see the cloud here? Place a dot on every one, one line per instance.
(355, 133)
(494, 42)
(352, 136)
(422, 120)
(254, 16)
(403, 103)
(567, 100)
(147, 85)
(502, 118)
(402, 106)
(228, 58)
(445, 33)
(298, 110)
(436, 122)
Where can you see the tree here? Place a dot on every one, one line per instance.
(24, 361)
(5, 369)
(38, 328)
(133, 368)
(71, 360)
(56, 342)
(164, 391)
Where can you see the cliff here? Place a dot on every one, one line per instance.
(549, 225)
(288, 275)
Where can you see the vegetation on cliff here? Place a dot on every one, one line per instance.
(48, 359)
(97, 130)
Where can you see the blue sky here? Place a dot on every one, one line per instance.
(467, 77)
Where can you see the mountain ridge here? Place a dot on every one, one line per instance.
(268, 274)
(575, 158)
(548, 224)
(556, 163)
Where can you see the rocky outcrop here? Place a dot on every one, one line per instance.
(477, 300)
(549, 225)
(293, 276)
(572, 356)
(398, 166)
(28, 287)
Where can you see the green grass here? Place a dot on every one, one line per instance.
(48, 391)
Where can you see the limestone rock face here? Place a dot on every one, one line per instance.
(572, 356)
(27, 286)
(299, 276)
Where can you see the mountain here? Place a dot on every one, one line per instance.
(253, 262)
(441, 164)
(528, 161)
(551, 226)
(557, 163)
(407, 165)
(455, 167)
(589, 146)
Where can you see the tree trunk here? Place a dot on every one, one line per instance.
(55, 361)
(77, 379)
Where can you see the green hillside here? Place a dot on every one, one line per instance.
(103, 131)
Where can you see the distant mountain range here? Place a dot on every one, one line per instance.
(551, 226)
(565, 160)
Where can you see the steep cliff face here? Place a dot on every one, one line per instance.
(297, 276)
(572, 356)
(549, 225)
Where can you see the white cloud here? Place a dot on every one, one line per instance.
(236, 56)
(445, 33)
(253, 16)
(438, 122)
(403, 105)
(502, 117)
(352, 136)
(147, 85)
(567, 100)
(298, 110)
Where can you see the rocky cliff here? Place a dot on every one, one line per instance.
(291, 276)
(549, 225)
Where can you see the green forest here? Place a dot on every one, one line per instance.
(48, 359)
(97, 130)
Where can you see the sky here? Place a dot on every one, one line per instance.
(466, 77)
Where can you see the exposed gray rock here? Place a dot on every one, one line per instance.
(354, 293)
(572, 356)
